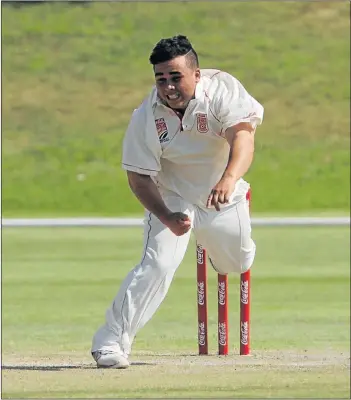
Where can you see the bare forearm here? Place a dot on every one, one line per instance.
(147, 193)
(241, 154)
(241, 141)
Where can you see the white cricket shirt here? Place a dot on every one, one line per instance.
(192, 153)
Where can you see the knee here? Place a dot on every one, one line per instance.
(238, 263)
(247, 257)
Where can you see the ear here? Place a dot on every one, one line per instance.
(197, 75)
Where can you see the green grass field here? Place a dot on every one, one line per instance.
(57, 284)
(72, 76)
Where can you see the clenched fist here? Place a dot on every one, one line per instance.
(178, 222)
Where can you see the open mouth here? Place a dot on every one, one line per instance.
(173, 97)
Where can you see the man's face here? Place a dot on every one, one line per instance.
(176, 82)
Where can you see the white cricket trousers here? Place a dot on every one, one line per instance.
(225, 234)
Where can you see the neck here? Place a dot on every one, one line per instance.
(178, 111)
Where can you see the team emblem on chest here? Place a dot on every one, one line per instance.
(202, 123)
(162, 130)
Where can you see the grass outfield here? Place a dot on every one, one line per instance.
(73, 74)
(57, 283)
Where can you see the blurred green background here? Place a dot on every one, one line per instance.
(73, 73)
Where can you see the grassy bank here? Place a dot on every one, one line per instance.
(72, 76)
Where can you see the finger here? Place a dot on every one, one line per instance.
(182, 230)
(214, 197)
(183, 218)
(209, 200)
(185, 223)
(184, 226)
(179, 216)
(215, 201)
(221, 198)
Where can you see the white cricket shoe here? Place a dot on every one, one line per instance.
(109, 359)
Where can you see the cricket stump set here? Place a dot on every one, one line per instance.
(223, 323)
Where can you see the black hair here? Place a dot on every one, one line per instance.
(167, 49)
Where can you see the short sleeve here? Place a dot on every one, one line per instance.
(141, 153)
(234, 104)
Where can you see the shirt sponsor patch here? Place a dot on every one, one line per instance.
(202, 124)
(162, 130)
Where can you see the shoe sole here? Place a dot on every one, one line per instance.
(118, 365)
(115, 366)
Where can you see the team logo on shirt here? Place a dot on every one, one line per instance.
(202, 124)
(162, 130)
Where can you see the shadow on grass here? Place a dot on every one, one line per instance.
(61, 367)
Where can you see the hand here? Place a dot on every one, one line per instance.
(221, 193)
(178, 222)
